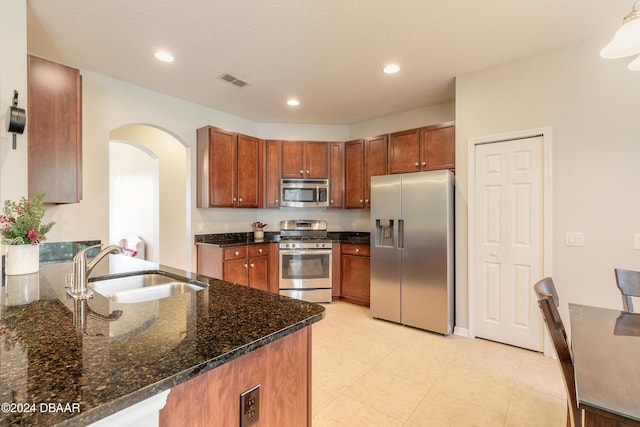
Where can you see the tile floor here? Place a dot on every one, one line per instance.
(370, 372)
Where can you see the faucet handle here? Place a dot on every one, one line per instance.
(82, 253)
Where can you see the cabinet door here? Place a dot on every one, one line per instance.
(272, 175)
(404, 151)
(235, 270)
(316, 160)
(439, 150)
(248, 170)
(292, 159)
(259, 272)
(222, 168)
(354, 174)
(376, 163)
(335, 175)
(355, 278)
(54, 127)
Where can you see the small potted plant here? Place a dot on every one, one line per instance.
(22, 231)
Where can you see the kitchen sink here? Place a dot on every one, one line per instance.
(143, 286)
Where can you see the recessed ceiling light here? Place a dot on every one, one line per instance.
(164, 56)
(391, 69)
(293, 102)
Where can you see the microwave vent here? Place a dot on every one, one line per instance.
(233, 80)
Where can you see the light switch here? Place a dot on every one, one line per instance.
(574, 238)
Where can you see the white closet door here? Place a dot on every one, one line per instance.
(509, 240)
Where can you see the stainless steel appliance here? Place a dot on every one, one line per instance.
(304, 193)
(412, 260)
(305, 260)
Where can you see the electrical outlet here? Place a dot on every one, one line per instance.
(250, 406)
(636, 241)
(575, 239)
(226, 228)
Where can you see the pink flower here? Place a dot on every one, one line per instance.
(33, 236)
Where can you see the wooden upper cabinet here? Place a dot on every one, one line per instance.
(354, 174)
(336, 168)
(438, 149)
(54, 123)
(228, 169)
(363, 159)
(272, 174)
(302, 159)
(404, 151)
(427, 148)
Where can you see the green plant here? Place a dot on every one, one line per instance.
(21, 222)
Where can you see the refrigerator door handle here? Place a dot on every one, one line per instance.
(401, 234)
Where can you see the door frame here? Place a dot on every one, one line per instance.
(546, 134)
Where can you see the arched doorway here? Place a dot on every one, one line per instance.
(153, 164)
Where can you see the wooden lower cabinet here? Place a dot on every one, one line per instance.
(355, 273)
(283, 370)
(248, 265)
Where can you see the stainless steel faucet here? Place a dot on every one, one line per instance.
(82, 268)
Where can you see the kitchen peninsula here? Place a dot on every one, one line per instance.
(66, 362)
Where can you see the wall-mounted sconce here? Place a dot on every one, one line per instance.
(16, 118)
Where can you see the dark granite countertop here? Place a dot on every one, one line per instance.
(240, 239)
(56, 350)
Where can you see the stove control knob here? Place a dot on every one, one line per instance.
(286, 245)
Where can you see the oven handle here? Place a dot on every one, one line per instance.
(305, 251)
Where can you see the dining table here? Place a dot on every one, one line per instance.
(605, 345)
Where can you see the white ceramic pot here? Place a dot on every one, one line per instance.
(258, 235)
(21, 259)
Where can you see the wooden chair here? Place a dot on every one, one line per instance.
(548, 303)
(628, 282)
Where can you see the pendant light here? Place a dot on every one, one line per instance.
(626, 41)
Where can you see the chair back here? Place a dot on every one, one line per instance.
(548, 302)
(628, 282)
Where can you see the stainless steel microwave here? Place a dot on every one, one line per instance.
(304, 193)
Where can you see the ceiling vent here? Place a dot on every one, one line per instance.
(233, 80)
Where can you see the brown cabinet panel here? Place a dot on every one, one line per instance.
(272, 174)
(439, 147)
(248, 154)
(355, 274)
(54, 128)
(283, 370)
(235, 270)
(259, 273)
(292, 159)
(229, 169)
(301, 159)
(427, 148)
(377, 156)
(404, 151)
(354, 174)
(336, 162)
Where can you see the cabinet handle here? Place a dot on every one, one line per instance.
(277, 200)
(332, 202)
(240, 199)
(417, 164)
(234, 199)
(245, 265)
(424, 163)
(307, 172)
(252, 265)
(360, 200)
(301, 172)
(236, 253)
(366, 200)
(357, 250)
(260, 250)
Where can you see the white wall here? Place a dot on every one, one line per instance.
(13, 76)
(592, 106)
(134, 176)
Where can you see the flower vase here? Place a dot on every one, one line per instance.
(22, 259)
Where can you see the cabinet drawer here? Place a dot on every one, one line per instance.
(236, 252)
(258, 250)
(362, 250)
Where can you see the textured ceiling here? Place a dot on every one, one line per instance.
(327, 53)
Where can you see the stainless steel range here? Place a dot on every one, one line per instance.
(305, 260)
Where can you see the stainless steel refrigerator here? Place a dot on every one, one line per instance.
(412, 259)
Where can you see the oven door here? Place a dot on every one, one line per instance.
(305, 269)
